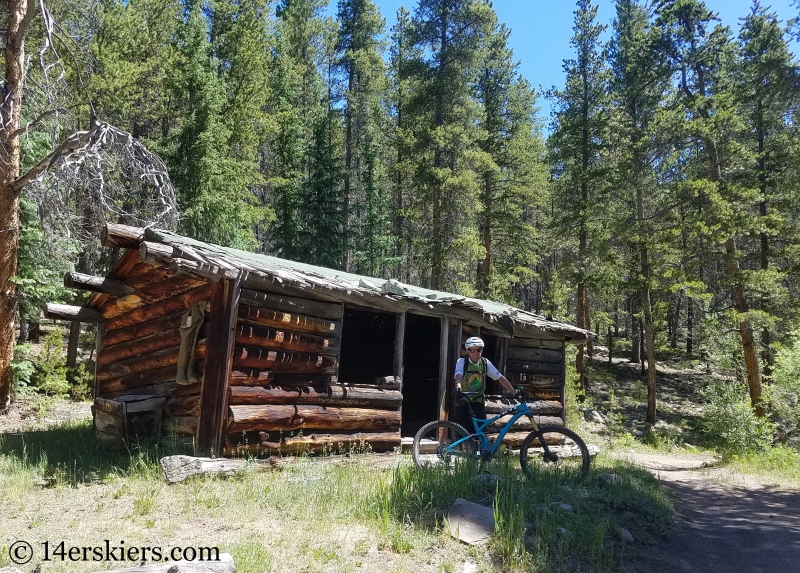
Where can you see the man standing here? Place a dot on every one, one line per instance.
(470, 376)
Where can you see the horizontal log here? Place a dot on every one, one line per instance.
(96, 284)
(387, 386)
(342, 443)
(535, 354)
(144, 345)
(282, 339)
(292, 305)
(142, 329)
(524, 423)
(125, 236)
(151, 252)
(515, 439)
(533, 367)
(287, 418)
(282, 361)
(180, 426)
(541, 393)
(289, 379)
(175, 304)
(532, 379)
(181, 267)
(145, 362)
(251, 377)
(183, 405)
(138, 380)
(320, 396)
(535, 343)
(154, 293)
(497, 405)
(294, 322)
(160, 389)
(73, 313)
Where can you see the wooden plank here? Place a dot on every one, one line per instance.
(399, 341)
(287, 418)
(534, 367)
(454, 354)
(282, 361)
(294, 322)
(98, 347)
(293, 305)
(535, 354)
(251, 377)
(214, 396)
(319, 396)
(444, 375)
(175, 304)
(282, 339)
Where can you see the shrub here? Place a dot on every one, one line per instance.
(730, 422)
(783, 395)
(51, 367)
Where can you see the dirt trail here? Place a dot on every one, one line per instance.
(726, 523)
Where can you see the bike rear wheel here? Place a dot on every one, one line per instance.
(564, 454)
(430, 445)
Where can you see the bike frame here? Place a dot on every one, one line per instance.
(519, 410)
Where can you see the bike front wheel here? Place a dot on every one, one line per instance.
(431, 445)
(564, 454)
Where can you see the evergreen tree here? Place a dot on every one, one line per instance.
(578, 141)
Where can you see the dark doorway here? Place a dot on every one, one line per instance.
(420, 372)
(367, 346)
(490, 353)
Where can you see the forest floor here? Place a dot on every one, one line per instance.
(727, 519)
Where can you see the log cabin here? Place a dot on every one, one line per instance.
(248, 353)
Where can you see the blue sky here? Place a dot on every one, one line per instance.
(541, 29)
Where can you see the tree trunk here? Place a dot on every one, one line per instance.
(72, 344)
(689, 326)
(20, 13)
(636, 355)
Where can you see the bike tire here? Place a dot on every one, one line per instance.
(431, 432)
(571, 460)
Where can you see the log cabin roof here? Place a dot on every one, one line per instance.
(213, 262)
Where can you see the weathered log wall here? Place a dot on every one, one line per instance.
(138, 351)
(284, 393)
(538, 366)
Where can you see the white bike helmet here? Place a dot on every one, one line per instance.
(473, 342)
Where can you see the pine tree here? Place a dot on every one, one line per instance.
(578, 141)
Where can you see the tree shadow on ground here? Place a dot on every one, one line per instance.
(70, 454)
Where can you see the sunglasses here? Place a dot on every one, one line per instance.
(471, 350)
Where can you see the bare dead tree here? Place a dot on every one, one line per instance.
(95, 175)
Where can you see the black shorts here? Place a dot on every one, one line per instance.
(465, 418)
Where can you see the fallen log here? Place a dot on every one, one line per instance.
(179, 468)
(286, 418)
(282, 361)
(73, 313)
(93, 283)
(497, 405)
(319, 395)
(281, 339)
(160, 309)
(296, 322)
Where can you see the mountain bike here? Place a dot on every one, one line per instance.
(547, 449)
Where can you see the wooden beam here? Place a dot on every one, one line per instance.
(125, 236)
(96, 284)
(73, 313)
(399, 341)
(454, 355)
(288, 418)
(219, 362)
(293, 305)
(155, 253)
(444, 332)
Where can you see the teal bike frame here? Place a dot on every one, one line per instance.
(487, 449)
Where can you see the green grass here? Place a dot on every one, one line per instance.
(780, 463)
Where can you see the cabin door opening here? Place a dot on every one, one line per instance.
(420, 372)
(367, 346)
(490, 353)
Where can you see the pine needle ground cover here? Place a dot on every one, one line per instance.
(57, 483)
